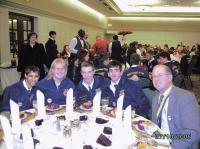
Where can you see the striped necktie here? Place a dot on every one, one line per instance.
(160, 115)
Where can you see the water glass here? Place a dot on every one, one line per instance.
(104, 104)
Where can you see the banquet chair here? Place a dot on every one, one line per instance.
(144, 82)
(178, 80)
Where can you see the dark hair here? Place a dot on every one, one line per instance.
(164, 55)
(32, 34)
(81, 55)
(151, 52)
(87, 64)
(103, 57)
(135, 59)
(115, 64)
(52, 33)
(81, 33)
(115, 37)
(34, 69)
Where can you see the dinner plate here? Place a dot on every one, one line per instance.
(52, 110)
(145, 126)
(85, 109)
(24, 116)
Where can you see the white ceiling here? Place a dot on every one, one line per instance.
(153, 8)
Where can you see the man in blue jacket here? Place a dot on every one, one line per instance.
(22, 92)
(133, 94)
(89, 85)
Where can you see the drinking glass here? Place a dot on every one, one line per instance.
(35, 106)
(104, 104)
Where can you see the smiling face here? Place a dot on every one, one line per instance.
(87, 73)
(162, 79)
(58, 71)
(31, 78)
(115, 74)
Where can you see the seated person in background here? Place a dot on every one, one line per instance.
(22, 92)
(56, 85)
(102, 68)
(135, 68)
(74, 69)
(151, 61)
(89, 85)
(164, 58)
(133, 94)
(174, 110)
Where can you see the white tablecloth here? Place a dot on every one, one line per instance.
(87, 134)
(8, 76)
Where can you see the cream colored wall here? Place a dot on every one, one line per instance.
(65, 31)
(4, 36)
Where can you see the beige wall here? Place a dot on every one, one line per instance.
(158, 31)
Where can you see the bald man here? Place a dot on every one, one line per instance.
(177, 112)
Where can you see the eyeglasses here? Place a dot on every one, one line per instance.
(160, 75)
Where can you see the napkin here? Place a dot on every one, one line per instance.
(16, 122)
(7, 132)
(96, 104)
(27, 138)
(69, 102)
(40, 105)
(127, 133)
(119, 108)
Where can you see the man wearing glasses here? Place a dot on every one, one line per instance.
(174, 110)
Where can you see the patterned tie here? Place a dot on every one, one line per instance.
(159, 104)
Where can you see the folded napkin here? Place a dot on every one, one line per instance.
(69, 102)
(16, 122)
(96, 104)
(101, 120)
(7, 132)
(87, 147)
(27, 138)
(41, 105)
(107, 130)
(119, 108)
(103, 140)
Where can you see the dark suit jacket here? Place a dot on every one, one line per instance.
(183, 116)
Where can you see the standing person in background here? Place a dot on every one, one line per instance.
(51, 48)
(76, 44)
(88, 46)
(100, 46)
(32, 53)
(115, 49)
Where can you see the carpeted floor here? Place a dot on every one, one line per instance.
(196, 85)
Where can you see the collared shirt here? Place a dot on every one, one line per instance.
(164, 116)
(26, 86)
(112, 86)
(87, 86)
(73, 43)
(134, 65)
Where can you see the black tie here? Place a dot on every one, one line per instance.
(159, 104)
(90, 90)
(115, 86)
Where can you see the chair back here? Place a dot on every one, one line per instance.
(144, 82)
(179, 80)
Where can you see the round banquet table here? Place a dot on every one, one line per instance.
(50, 133)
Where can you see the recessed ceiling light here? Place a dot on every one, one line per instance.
(109, 25)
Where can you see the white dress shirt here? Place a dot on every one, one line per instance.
(112, 86)
(26, 86)
(87, 86)
(72, 45)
